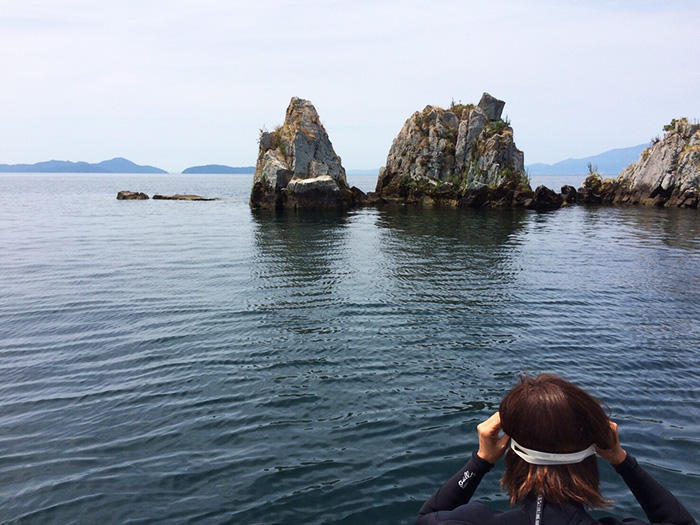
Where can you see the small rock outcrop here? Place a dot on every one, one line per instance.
(667, 173)
(544, 199)
(568, 194)
(131, 195)
(297, 166)
(182, 197)
(597, 190)
(463, 156)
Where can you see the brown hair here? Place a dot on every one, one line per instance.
(550, 414)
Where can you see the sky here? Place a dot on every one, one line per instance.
(180, 83)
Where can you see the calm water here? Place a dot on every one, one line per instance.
(167, 361)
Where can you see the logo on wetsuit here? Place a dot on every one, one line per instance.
(467, 475)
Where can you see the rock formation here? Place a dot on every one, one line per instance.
(544, 199)
(297, 166)
(137, 195)
(131, 195)
(182, 197)
(569, 195)
(464, 156)
(668, 172)
(597, 190)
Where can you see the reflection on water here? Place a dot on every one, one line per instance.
(298, 250)
(675, 228)
(448, 244)
(201, 362)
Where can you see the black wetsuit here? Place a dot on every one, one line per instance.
(450, 504)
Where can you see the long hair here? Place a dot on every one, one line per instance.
(550, 414)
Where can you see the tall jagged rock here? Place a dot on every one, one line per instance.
(668, 172)
(297, 166)
(464, 155)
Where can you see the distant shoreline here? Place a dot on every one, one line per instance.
(115, 165)
(610, 163)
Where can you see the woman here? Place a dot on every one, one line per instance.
(551, 431)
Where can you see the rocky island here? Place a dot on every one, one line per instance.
(125, 195)
(297, 166)
(461, 156)
(182, 197)
(667, 173)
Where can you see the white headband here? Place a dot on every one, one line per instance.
(536, 457)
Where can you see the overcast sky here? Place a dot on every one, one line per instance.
(178, 83)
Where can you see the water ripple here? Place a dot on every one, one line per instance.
(167, 363)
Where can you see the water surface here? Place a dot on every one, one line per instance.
(168, 361)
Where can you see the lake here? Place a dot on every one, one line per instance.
(167, 361)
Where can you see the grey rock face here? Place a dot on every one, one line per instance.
(274, 172)
(321, 192)
(491, 106)
(462, 146)
(462, 156)
(294, 152)
(477, 121)
(667, 173)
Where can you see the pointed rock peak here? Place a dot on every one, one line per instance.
(491, 106)
(302, 114)
(297, 166)
(299, 105)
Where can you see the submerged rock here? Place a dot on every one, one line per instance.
(463, 156)
(667, 173)
(297, 166)
(131, 195)
(182, 197)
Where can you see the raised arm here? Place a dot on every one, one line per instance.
(458, 490)
(659, 505)
(461, 486)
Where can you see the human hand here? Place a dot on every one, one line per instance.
(615, 454)
(491, 446)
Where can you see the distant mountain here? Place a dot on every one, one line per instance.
(219, 168)
(609, 163)
(115, 165)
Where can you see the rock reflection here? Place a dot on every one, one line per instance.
(676, 228)
(452, 246)
(451, 277)
(296, 258)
